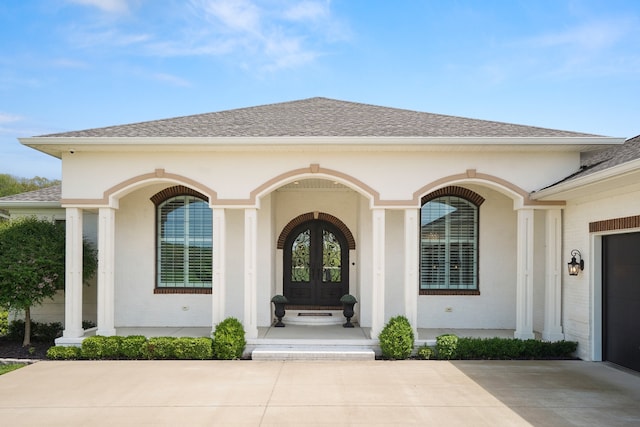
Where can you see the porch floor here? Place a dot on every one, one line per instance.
(316, 332)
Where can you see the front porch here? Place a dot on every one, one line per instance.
(313, 342)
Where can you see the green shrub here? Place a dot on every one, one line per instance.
(512, 348)
(228, 339)
(64, 353)
(159, 348)
(92, 347)
(111, 347)
(425, 352)
(563, 349)
(396, 338)
(193, 348)
(131, 346)
(4, 322)
(446, 346)
(41, 332)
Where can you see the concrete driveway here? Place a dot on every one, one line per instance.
(294, 393)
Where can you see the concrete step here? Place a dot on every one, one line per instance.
(314, 317)
(336, 352)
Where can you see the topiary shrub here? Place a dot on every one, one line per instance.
(446, 346)
(159, 348)
(425, 352)
(193, 348)
(131, 346)
(228, 339)
(64, 353)
(396, 339)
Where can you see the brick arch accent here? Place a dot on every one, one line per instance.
(316, 215)
(176, 190)
(454, 190)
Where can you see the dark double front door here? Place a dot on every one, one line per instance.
(316, 270)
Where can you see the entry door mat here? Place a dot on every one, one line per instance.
(315, 314)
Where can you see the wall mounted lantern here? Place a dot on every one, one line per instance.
(575, 266)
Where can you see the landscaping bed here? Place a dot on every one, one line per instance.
(11, 349)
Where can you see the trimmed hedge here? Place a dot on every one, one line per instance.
(131, 346)
(193, 348)
(396, 339)
(228, 343)
(99, 347)
(136, 347)
(64, 353)
(228, 339)
(159, 348)
(451, 347)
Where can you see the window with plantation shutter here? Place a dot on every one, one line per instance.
(184, 243)
(449, 245)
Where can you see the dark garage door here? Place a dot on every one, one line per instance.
(621, 299)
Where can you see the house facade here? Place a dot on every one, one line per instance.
(455, 223)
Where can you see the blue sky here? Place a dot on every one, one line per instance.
(79, 64)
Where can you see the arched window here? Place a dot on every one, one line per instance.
(449, 243)
(184, 242)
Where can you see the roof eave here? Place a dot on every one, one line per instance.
(56, 146)
(588, 183)
(17, 204)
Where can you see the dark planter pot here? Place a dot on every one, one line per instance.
(347, 310)
(279, 312)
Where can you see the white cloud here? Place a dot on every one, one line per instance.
(9, 118)
(254, 34)
(593, 35)
(263, 35)
(237, 15)
(307, 11)
(111, 37)
(598, 47)
(111, 6)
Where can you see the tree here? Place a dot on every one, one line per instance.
(32, 264)
(10, 184)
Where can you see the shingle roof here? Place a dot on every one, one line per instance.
(319, 117)
(592, 162)
(49, 194)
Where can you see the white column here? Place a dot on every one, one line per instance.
(73, 276)
(524, 281)
(106, 268)
(378, 285)
(553, 277)
(218, 284)
(411, 257)
(250, 278)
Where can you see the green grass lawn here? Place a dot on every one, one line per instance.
(11, 367)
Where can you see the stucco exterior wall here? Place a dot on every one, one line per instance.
(136, 304)
(495, 306)
(394, 175)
